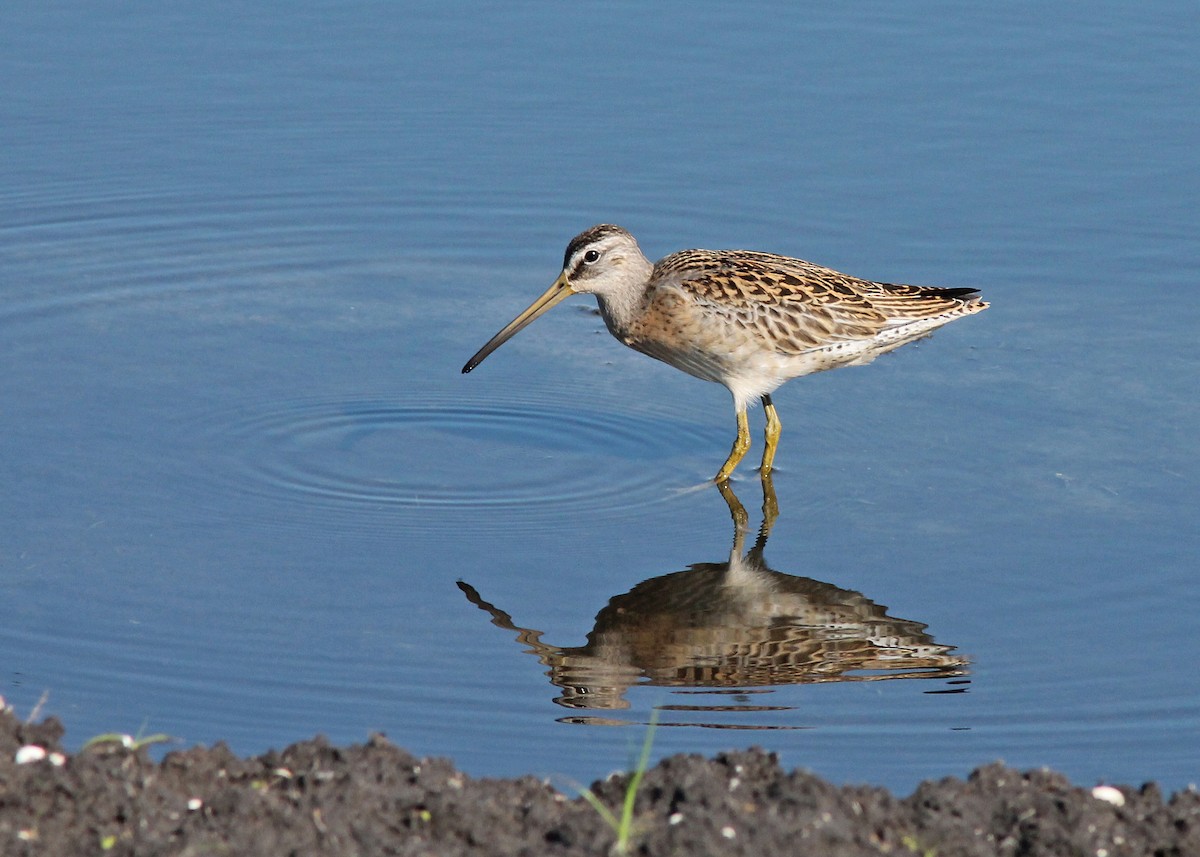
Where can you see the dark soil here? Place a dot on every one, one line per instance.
(374, 798)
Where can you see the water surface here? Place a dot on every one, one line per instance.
(246, 251)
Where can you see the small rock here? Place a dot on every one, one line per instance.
(30, 753)
(1108, 794)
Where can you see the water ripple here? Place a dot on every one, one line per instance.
(524, 463)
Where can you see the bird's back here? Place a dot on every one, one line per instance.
(798, 305)
(725, 314)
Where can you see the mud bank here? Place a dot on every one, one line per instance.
(375, 798)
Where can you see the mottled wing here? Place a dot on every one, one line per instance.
(795, 304)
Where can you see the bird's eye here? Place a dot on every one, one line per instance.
(591, 256)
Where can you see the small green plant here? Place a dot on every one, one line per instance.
(623, 826)
(129, 742)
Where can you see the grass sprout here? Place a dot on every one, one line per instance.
(129, 742)
(623, 826)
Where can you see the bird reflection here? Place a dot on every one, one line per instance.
(734, 629)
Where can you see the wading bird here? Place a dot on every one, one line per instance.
(747, 320)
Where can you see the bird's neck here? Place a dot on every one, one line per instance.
(621, 307)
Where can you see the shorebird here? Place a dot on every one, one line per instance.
(747, 320)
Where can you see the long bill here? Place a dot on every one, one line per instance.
(553, 295)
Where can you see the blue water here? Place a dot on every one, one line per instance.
(245, 251)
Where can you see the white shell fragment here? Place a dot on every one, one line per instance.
(30, 753)
(1108, 794)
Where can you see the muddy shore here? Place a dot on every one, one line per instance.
(375, 798)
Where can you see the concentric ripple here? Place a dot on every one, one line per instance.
(516, 464)
(113, 253)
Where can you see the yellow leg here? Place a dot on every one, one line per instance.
(774, 427)
(740, 444)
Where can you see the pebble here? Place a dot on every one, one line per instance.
(1108, 794)
(30, 753)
